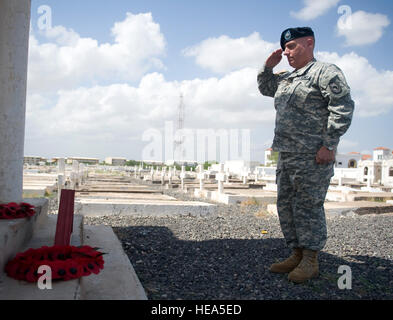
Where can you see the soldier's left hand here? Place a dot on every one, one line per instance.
(324, 156)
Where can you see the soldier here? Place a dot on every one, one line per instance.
(313, 110)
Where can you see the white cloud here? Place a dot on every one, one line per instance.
(68, 60)
(225, 54)
(110, 114)
(80, 93)
(371, 88)
(362, 28)
(313, 9)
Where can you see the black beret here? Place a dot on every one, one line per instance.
(294, 33)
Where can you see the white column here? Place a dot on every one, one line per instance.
(245, 175)
(152, 174)
(163, 175)
(60, 186)
(170, 176)
(227, 175)
(340, 180)
(61, 166)
(220, 177)
(75, 173)
(201, 176)
(182, 176)
(14, 43)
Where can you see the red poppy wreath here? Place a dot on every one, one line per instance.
(16, 211)
(66, 263)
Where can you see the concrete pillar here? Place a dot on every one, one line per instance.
(152, 174)
(201, 176)
(163, 175)
(220, 177)
(340, 180)
(61, 166)
(182, 176)
(75, 171)
(14, 44)
(60, 186)
(170, 176)
(227, 173)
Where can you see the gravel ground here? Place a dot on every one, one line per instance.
(226, 256)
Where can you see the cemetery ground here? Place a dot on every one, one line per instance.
(227, 254)
(177, 246)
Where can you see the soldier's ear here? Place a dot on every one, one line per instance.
(310, 42)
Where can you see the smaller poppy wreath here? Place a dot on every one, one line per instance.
(65, 262)
(13, 210)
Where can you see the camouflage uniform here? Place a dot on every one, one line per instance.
(313, 109)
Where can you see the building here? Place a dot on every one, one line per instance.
(382, 153)
(387, 172)
(83, 160)
(271, 157)
(348, 160)
(34, 160)
(116, 161)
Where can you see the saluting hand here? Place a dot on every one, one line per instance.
(274, 59)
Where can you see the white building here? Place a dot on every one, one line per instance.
(348, 160)
(268, 154)
(387, 172)
(382, 153)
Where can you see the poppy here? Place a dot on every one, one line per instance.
(26, 209)
(74, 270)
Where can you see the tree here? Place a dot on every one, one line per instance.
(273, 158)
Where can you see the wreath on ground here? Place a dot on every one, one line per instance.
(16, 211)
(65, 262)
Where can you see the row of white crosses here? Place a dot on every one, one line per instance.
(77, 176)
(223, 176)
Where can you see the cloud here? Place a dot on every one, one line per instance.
(110, 114)
(66, 60)
(370, 88)
(313, 9)
(361, 28)
(224, 54)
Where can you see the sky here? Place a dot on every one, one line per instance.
(105, 78)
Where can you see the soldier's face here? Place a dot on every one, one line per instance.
(298, 52)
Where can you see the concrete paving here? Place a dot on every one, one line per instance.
(139, 207)
(117, 281)
(237, 195)
(119, 196)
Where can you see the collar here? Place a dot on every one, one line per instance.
(303, 70)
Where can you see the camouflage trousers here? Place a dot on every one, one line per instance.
(302, 185)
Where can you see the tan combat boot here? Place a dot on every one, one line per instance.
(308, 268)
(289, 264)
